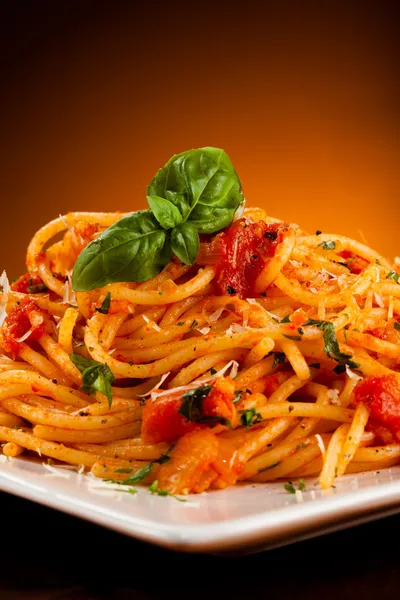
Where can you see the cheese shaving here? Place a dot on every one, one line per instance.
(151, 323)
(204, 330)
(69, 295)
(351, 373)
(321, 444)
(4, 284)
(55, 472)
(334, 397)
(158, 385)
(390, 308)
(67, 225)
(216, 315)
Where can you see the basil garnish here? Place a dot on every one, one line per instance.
(197, 191)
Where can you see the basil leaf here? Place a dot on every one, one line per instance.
(164, 211)
(185, 243)
(139, 475)
(192, 407)
(203, 186)
(105, 305)
(250, 417)
(393, 275)
(134, 248)
(331, 347)
(96, 376)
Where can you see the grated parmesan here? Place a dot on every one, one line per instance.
(334, 397)
(321, 444)
(351, 373)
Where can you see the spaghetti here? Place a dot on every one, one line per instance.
(274, 356)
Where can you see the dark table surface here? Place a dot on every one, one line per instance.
(49, 555)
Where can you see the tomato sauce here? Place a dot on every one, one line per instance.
(381, 395)
(162, 421)
(17, 323)
(240, 254)
(355, 263)
(29, 284)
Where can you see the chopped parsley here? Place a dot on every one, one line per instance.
(181, 323)
(331, 347)
(279, 359)
(328, 245)
(250, 417)
(231, 290)
(285, 319)
(213, 371)
(194, 324)
(155, 490)
(105, 305)
(393, 275)
(295, 338)
(300, 330)
(397, 325)
(192, 407)
(289, 487)
(96, 376)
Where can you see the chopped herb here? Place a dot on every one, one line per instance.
(397, 325)
(124, 470)
(295, 338)
(37, 288)
(250, 417)
(289, 488)
(331, 347)
(315, 365)
(213, 371)
(154, 489)
(231, 290)
(192, 407)
(318, 232)
(96, 376)
(301, 446)
(302, 485)
(181, 323)
(328, 245)
(377, 262)
(140, 474)
(300, 330)
(248, 391)
(393, 275)
(238, 395)
(285, 319)
(194, 324)
(279, 359)
(105, 305)
(343, 264)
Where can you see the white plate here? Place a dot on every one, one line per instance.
(243, 518)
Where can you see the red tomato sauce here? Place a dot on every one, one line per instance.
(28, 284)
(355, 263)
(240, 253)
(162, 421)
(381, 395)
(17, 323)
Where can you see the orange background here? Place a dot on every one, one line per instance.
(301, 97)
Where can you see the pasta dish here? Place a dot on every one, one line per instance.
(199, 344)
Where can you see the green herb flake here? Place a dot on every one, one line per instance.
(105, 305)
(192, 407)
(331, 347)
(194, 324)
(155, 490)
(279, 359)
(328, 245)
(285, 319)
(250, 417)
(301, 485)
(181, 323)
(393, 275)
(231, 291)
(213, 371)
(397, 325)
(96, 376)
(289, 488)
(295, 338)
(238, 395)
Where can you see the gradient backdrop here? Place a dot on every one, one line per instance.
(303, 97)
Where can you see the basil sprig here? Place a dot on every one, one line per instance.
(197, 191)
(96, 376)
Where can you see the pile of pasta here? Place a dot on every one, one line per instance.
(291, 357)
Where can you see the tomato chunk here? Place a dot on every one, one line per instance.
(355, 263)
(191, 458)
(29, 284)
(388, 332)
(382, 397)
(240, 254)
(17, 324)
(162, 421)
